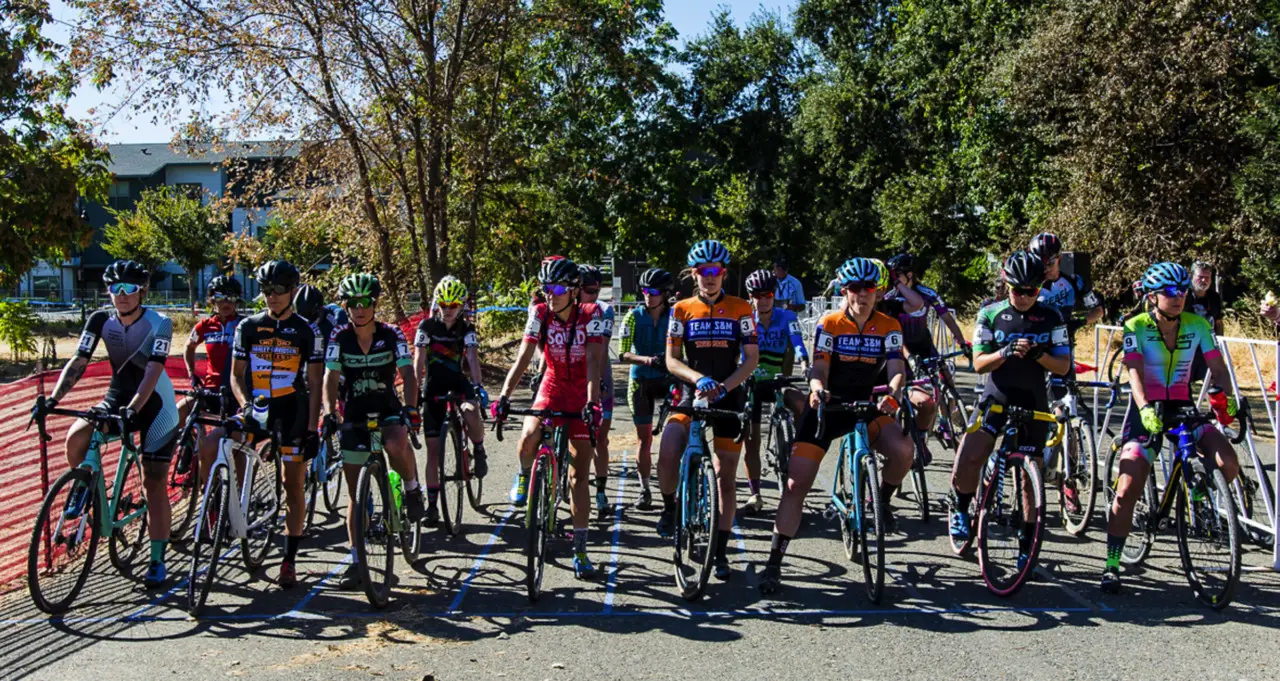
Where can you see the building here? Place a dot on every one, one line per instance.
(225, 170)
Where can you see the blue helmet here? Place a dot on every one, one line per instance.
(707, 251)
(855, 270)
(1165, 274)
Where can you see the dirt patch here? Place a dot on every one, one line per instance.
(378, 637)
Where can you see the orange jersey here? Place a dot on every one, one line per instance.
(712, 334)
(856, 355)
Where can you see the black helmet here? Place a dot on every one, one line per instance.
(1045, 246)
(590, 275)
(558, 271)
(224, 285)
(126, 272)
(1023, 268)
(278, 272)
(761, 280)
(308, 302)
(657, 278)
(902, 262)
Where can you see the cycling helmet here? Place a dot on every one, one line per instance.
(657, 278)
(1024, 268)
(279, 273)
(450, 291)
(590, 275)
(858, 270)
(358, 285)
(224, 285)
(903, 262)
(707, 251)
(126, 272)
(558, 271)
(308, 302)
(1163, 274)
(883, 282)
(1045, 246)
(761, 280)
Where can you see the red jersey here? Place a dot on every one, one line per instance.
(564, 348)
(217, 338)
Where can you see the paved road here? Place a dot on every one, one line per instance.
(461, 613)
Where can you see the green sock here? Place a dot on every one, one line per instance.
(1115, 547)
(157, 550)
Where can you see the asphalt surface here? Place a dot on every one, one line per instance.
(461, 611)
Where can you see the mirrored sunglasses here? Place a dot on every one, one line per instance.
(361, 302)
(121, 288)
(710, 271)
(555, 289)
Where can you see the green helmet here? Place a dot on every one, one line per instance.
(359, 285)
(449, 291)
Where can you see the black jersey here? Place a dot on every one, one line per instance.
(446, 346)
(369, 378)
(1020, 381)
(278, 352)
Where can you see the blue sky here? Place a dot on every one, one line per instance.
(689, 17)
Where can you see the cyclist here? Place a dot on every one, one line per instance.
(216, 332)
(140, 392)
(309, 304)
(442, 341)
(1016, 341)
(589, 292)
(1065, 292)
(276, 360)
(570, 335)
(779, 333)
(367, 355)
(711, 349)
(1159, 348)
(643, 346)
(851, 347)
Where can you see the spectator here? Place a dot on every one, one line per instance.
(1203, 299)
(789, 293)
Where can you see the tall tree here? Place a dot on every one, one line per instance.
(169, 224)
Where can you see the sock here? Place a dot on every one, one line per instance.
(1025, 536)
(600, 482)
(157, 549)
(754, 485)
(411, 485)
(722, 541)
(778, 549)
(1115, 547)
(433, 496)
(886, 492)
(291, 548)
(669, 502)
(644, 480)
(579, 540)
(963, 500)
(354, 557)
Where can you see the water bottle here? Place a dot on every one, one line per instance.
(397, 487)
(1192, 467)
(260, 412)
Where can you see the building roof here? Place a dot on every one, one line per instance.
(147, 159)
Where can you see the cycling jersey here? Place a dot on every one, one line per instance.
(644, 336)
(564, 350)
(217, 336)
(1166, 374)
(446, 346)
(1068, 293)
(278, 353)
(856, 355)
(916, 336)
(712, 333)
(1018, 380)
(370, 385)
(783, 332)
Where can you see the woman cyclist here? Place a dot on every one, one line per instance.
(711, 349)
(643, 346)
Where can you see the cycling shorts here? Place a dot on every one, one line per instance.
(561, 401)
(642, 394)
(1034, 434)
(355, 442)
(289, 417)
(726, 428)
(157, 427)
(433, 412)
(838, 424)
(1134, 431)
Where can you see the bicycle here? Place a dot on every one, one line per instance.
(923, 457)
(1077, 468)
(782, 424)
(953, 413)
(324, 478)
(455, 470)
(65, 526)
(698, 498)
(229, 509)
(380, 517)
(1205, 512)
(548, 484)
(1008, 481)
(184, 479)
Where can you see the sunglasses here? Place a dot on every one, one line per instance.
(651, 291)
(710, 271)
(593, 290)
(223, 298)
(1025, 291)
(860, 286)
(1172, 291)
(449, 306)
(555, 289)
(361, 302)
(123, 289)
(275, 290)
(760, 295)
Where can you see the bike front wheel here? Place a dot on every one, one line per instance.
(843, 493)
(538, 523)
(1008, 544)
(1209, 542)
(698, 509)
(1143, 534)
(1079, 493)
(128, 537)
(452, 484)
(375, 542)
(333, 474)
(869, 507)
(262, 514)
(63, 542)
(184, 487)
(209, 537)
(781, 436)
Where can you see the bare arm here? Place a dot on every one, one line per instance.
(1094, 315)
(897, 377)
(953, 326)
(677, 367)
(239, 387)
(71, 374)
(912, 300)
(189, 355)
(1135, 384)
(410, 386)
(1057, 364)
(595, 351)
(473, 364)
(331, 391)
(517, 370)
(420, 363)
(315, 380)
(750, 360)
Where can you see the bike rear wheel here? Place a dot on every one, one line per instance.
(333, 474)
(1007, 544)
(184, 488)
(208, 540)
(870, 507)
(127, 540)
(262, 515)
(1143, 534)
(955, 412)
(1081, 459)
(1209, 542)
(699, 518)
(375, 543)
(919, 486)
(782, 433)
(452, 485)
(538, 523)
(311, 492)
(62, 550)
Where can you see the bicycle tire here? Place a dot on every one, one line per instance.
(410, 537)
(872, 554)
(1081, 464)
(538, 520)
(452, 486)
(208, 540)
(1217, 529)
(310, 491)
(1142, 535)
(962, 547)
(957, 414)
(919, 486)
(184, 489)
(781, 437)
(333, 475)
(41, 581)
(843, 490)
(262, 515)
(126, 542)
(375, 545)
(695, 535)
(1248, 493)
(475, 485)
(1001, 521)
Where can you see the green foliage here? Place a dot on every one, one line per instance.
(17, 329)
(494, 324)
(168, 224)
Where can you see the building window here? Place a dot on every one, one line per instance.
(120, 196)
(46, 286)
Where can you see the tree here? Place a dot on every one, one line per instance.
(169, 224)
(47, 160)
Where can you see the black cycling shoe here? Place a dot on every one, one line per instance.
(646, 499)
(413, 505)
(667, 523)
(351, 579)
(479, 464)
(431, 517)
(1110, 581)
(771, 579)
(723, 570)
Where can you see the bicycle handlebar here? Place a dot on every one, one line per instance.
(94, 416)
(1073, 385)
(1022, 414)
(545, 414)
(704, 413)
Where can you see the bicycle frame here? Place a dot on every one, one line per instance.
(93, 463)
(694, 450)
(227, 449)
(857, 441)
